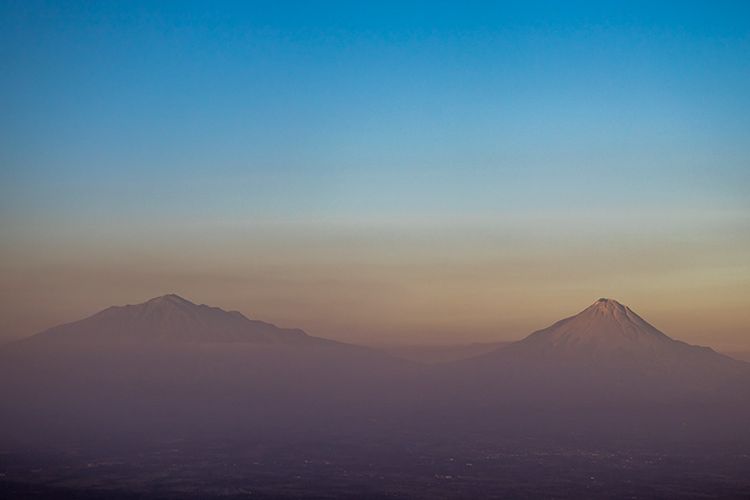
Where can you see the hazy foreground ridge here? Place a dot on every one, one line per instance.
(167, 374)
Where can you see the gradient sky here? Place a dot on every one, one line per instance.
(437, 172)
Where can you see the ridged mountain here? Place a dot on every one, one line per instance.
(171, 318)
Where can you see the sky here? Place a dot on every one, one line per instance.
(382, 172)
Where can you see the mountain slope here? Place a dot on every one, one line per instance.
(171, 368)
(608, 347)
(608, 331)
(171, 318)
(605, 327)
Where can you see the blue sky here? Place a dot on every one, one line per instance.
(447, 107)
(122, 121)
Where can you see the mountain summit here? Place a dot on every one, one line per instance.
(606, 351)
(612, 337)
(171, 318)
(605, 327)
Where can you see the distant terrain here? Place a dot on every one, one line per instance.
(439, 353)
(171, 399)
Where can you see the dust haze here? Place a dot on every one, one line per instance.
(171, 399)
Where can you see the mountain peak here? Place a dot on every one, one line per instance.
(606, 326)
(171, 298)
(610, 307)
(606, 301)
(605, 304)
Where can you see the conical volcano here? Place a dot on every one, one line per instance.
(604, 328)
(605, 344)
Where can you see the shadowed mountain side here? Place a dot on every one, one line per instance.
(602, 374)
(172, 368)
